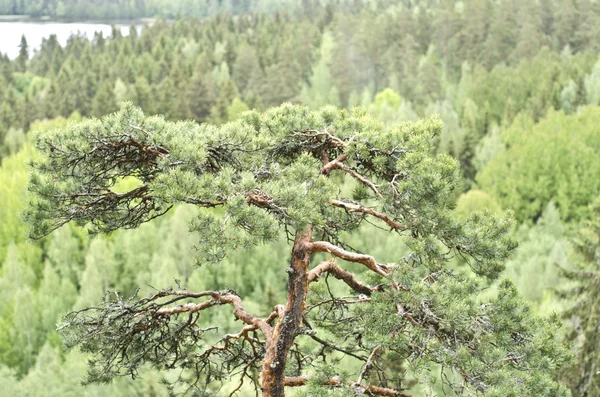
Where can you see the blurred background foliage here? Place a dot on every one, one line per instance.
(517, 84)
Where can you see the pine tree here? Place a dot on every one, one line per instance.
(20, 339)
(8, 381)
(501, 38)
(587, 30)
(26, 334)
(429, 77)
(535, 22)
(133, 253)
(141, 94)
(12, 142)
(272, 174)
(15, 275)
(65, 254)
(390, 108)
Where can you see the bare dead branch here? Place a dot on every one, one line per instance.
(368, 365)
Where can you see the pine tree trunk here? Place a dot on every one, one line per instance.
(278, 347)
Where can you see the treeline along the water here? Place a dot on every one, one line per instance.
(478, 63)
(128, 9)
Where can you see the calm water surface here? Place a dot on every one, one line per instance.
(10, 33)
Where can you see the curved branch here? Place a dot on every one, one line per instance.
(341, 274)
(334, 164)
(359, 208)
(368, 364)
(361, 178)
(338, 165)
(217, 298)
(125, 334)
(367, 260)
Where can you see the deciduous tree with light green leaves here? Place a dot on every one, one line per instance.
(555, 160)
(317, 178)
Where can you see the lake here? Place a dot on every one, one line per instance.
(35, 31)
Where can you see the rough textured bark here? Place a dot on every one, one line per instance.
(278, 347)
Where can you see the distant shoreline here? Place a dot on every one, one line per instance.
(43, 19)
(19, 18)
(36, 30)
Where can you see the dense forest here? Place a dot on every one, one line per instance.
(515, 83)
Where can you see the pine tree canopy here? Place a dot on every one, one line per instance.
(315, 177)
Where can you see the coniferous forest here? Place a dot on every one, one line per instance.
(309, 197)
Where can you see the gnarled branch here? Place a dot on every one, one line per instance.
(341, 274)
(367, 260)
(359, 208)
(217, 298)
(328, 166)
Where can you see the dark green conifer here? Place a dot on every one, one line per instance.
(23, 56)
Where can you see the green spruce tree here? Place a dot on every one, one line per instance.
(23, 56)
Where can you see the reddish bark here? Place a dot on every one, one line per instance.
(278, 347)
